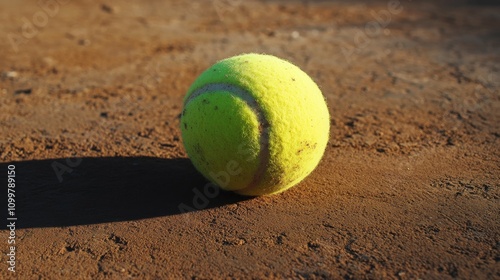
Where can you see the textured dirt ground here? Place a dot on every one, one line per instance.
(409, 187)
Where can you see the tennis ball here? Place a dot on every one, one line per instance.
(254, 124)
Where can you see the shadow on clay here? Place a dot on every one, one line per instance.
(109, 189)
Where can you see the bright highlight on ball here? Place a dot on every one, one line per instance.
(255, 124)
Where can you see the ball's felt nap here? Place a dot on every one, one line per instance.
(255, 124)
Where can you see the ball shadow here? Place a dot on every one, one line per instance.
(99, 190)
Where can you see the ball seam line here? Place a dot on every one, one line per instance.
(245, 96)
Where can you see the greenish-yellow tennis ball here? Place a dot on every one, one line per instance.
(255, 124)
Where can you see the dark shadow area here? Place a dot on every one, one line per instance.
(98, 190)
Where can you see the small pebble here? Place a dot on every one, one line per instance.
(83, 42)
(11, 74)
(109, 9)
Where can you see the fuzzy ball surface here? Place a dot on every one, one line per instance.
(255, 124)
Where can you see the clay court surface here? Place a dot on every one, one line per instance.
(408, 188)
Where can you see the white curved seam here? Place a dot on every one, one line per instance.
(264, 153)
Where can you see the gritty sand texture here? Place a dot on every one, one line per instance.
(408, 188)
